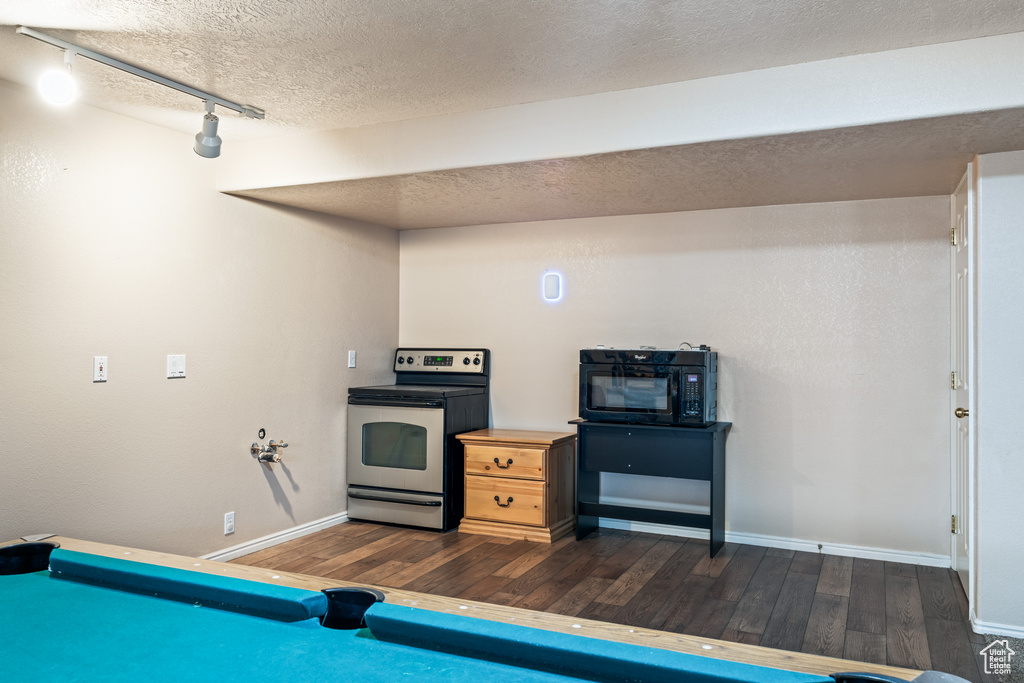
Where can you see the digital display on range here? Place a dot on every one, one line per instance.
(693, 378)
(437, 360)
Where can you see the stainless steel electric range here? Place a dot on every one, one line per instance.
(405, 465)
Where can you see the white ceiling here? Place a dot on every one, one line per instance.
(331, 64)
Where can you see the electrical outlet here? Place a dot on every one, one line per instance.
(351, 359)
(229, 523)
(99, 368)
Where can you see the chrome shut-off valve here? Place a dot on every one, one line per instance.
(268, 453)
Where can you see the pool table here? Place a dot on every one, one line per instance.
(92, 612)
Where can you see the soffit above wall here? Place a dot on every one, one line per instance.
(898, 124)
(352, 65)
(904, 159)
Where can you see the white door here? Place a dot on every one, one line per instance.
(962, 352)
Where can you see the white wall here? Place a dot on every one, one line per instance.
(831, 320)
(113, 242)
(1000, 401)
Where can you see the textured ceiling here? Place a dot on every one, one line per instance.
(330, 64)
(325, 64)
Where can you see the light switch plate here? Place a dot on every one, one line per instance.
(175, 366)
(351, 359)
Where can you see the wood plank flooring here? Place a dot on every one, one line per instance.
(882, 612)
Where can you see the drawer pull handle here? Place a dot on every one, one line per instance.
(505, 466)
(498, 501)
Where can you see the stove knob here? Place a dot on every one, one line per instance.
(476, 361)
(401, 360)
(465, 361)
(409, 360)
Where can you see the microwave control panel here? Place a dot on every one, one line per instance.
(692, 395)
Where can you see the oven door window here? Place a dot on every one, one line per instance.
(395, 444)
(627, 392)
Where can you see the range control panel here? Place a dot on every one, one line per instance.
(463, 361)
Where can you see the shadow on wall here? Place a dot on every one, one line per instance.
(280, 495)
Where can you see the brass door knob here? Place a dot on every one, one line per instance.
(961, 412)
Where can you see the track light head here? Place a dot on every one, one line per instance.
(57, 86)
(207, 141)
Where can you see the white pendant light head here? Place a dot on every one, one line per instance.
(207, 141)
(57, 86)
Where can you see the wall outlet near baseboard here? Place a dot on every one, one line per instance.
(229, 523)
(99, 368)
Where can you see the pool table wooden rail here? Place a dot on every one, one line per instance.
(706, 647)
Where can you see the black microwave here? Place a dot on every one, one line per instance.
(649, 386)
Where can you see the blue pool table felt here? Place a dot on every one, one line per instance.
(95, 618)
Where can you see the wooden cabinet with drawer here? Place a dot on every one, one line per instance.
(519, 484)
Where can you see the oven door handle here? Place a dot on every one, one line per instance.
(397, 402)
(396, 499)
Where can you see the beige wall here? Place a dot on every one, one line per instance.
(831, 320)
(113, 242)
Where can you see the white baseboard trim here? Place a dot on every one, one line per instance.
(863, 552)
(274, 539)
(988, 628)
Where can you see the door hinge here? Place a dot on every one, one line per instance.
(952, 524)
(952, 380)
(952, 236)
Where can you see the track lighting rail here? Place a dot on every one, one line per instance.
(246, 110)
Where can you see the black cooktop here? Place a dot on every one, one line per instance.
(416, 391)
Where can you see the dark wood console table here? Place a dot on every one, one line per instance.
(653, 450)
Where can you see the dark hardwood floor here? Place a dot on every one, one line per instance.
(883, 612)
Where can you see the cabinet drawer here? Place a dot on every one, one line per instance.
(526, 506)
(499, 461)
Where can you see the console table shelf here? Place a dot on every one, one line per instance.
(652, 450)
